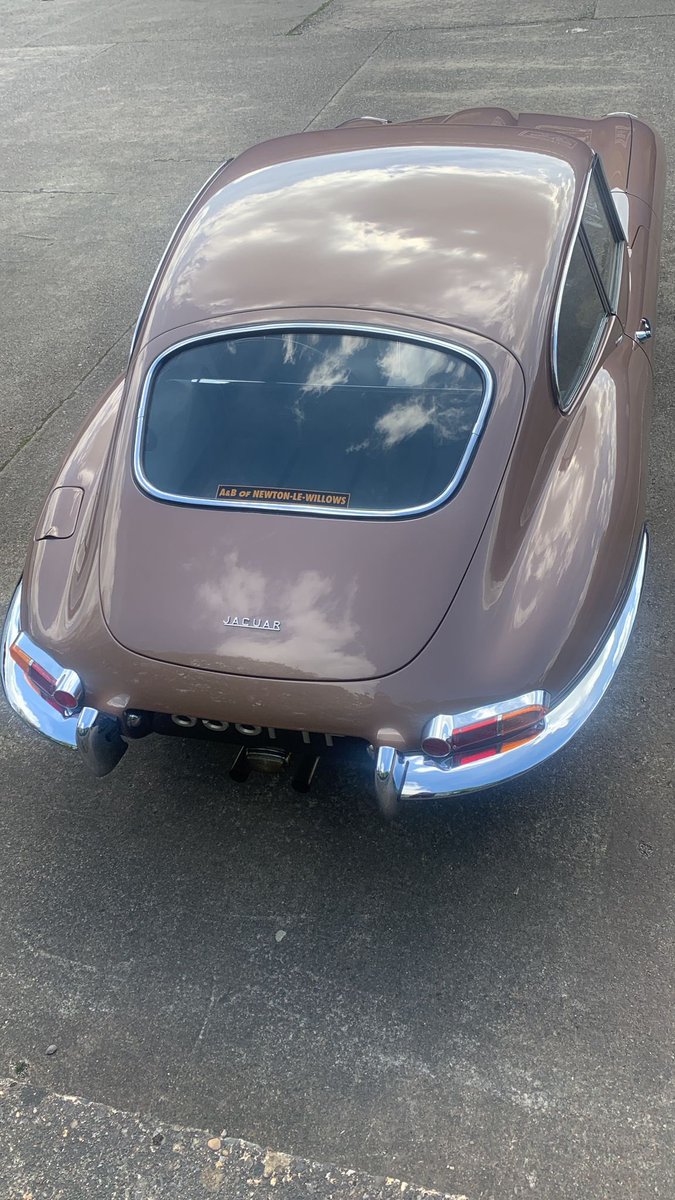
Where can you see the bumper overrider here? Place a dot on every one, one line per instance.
(98, 736)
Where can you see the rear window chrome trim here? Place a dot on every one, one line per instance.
(314, 509)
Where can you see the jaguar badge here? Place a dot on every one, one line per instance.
(253, 623)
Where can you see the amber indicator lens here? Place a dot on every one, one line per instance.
(20, 657)
(522, 720)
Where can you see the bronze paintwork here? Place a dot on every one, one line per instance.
(508, 587)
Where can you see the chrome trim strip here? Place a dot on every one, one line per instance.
(613, 216)
(622, 206)
(561, 288)
(165, 255)
(315, 509)
(97, 735)
(616, 225)
(414, 775)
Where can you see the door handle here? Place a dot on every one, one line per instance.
(645, 331)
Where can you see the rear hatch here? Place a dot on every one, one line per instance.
(332, 491)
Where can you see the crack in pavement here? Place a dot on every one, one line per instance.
(52, 412)
(86, 1144)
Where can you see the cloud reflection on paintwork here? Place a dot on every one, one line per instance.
(582, 479)
(397, 229)
(318, 625)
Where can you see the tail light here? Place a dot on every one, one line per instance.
(484, 732)
(62, 689)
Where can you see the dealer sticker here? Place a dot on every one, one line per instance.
(234, 491)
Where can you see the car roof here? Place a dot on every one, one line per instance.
(462, 225)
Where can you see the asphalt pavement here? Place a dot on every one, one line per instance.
(477, 997)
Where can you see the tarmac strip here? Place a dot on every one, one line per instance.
(55, 1147)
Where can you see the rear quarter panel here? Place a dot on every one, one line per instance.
(553, 565)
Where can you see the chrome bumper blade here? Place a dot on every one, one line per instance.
(95, 734)
(413, 775)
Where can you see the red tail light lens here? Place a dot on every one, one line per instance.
(510, 725)
(484, 732)
(41, 678)
(470, 756)
(476, 733)
(62, 690)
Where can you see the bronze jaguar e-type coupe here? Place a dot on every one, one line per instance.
(374, 478)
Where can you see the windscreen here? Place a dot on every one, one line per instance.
(342, 421)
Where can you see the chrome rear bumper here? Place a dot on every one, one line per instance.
(96, 735)
(413, 775)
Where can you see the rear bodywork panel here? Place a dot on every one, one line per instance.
(508, 587)
(330, 581)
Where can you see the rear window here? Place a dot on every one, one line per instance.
(355, 422)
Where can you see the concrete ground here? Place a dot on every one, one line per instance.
(477, 997)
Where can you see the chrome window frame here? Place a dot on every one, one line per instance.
(609, 303)
(315, 509)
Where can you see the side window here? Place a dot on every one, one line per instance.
(603, 241)
(590, 291)
(580, 323)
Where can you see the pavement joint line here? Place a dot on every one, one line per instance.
(52, 412)
(65, 23)
(302, 25)
(456, 31)
(355, 72)
(218, 161)
(89, 46)
(546, 23)
(53, 192)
